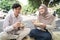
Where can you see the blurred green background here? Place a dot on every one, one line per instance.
(30, 6)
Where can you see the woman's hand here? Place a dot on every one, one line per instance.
(38, 24)
(35, 22)
(42, 25)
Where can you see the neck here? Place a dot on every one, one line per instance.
(41, 29)
(44, 14)
(15, 15)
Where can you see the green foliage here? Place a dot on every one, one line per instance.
(58, 11)
(6, 4)
(52, 4)
(28, 9)
(34, 4)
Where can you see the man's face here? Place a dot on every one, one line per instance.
(41, 10)
(17, 10)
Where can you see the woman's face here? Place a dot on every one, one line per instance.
(41, 10)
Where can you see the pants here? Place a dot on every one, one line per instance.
(40, 35)
(6, 36)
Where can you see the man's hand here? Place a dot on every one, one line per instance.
(16, 25)
(21, 25)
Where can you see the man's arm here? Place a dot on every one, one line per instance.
(6, 23)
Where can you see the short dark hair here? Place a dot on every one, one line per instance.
(16, 5)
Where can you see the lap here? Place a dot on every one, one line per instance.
(21, 35)
(40, 34)
(24, 33)
(3, 34)
(7, 36)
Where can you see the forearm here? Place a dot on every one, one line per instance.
(9, 28)
(50, 27)
(37, 24)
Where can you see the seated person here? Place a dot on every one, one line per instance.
(43, 25)
(13, 28)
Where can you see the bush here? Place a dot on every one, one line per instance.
(28, 9)
(58, 12)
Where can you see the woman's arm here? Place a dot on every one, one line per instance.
(52, 26)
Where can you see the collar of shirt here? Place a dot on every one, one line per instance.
(14, 15)
(40, 29)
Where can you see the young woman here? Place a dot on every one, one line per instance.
(43, 24)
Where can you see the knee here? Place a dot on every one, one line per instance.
(27, 30)
(3, 35)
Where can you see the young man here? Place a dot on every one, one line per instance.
(13, 26)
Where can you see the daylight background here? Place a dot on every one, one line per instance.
(30, 7)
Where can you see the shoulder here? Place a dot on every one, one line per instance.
(50, 15)
(8, 16)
